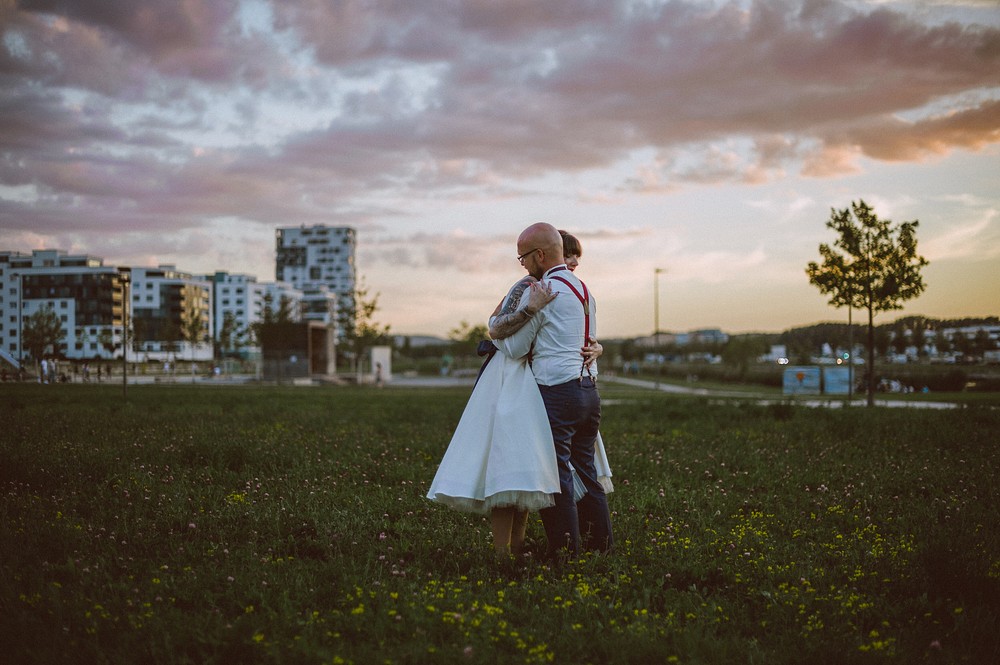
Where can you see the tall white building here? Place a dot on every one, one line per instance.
(167, 305)
(86, 295)
(320, 303)
(310, 256)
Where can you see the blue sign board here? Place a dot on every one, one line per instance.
(837, 380)
(801, 381)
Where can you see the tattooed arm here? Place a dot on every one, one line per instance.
(507, 319)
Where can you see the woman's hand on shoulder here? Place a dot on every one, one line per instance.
(538, 297)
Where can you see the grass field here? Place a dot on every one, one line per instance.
(228, 525)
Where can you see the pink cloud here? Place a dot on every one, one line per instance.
(107, 106)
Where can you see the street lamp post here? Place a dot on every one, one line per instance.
(125, 279)
(20, 323)
(656, 322)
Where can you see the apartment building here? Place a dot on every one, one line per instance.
(171, 314)
(85, 294)
(241, 300)
(166, 306)
(310, 257)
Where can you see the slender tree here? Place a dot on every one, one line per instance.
(465, 338)
(42, 331)
(358, 329)
(230, 336)
(873, 265)
(107, 341)
(193, 328)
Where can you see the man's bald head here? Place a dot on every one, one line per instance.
(541, 246)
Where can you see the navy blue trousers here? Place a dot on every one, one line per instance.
(574, 410)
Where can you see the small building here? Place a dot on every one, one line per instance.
(297, 350)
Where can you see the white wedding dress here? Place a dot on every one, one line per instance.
(501, 453)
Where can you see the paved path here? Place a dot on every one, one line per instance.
(833, 403)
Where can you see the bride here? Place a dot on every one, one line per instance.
(501, 459)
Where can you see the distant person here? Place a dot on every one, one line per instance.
(379, 379)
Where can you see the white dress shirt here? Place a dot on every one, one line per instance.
(557, 333)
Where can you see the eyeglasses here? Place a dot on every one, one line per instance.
(522, 257)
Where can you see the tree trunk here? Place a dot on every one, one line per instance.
(850, 353)
(871, 355)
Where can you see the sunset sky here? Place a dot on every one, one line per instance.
(709, 139)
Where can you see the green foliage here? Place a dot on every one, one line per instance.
(193, 326)
(466, 337)
(231, 336)
(42, 333)
(107, 340)
(359, 331)
(742, 351)
(873, 265)
(218, 525)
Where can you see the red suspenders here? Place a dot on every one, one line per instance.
(585, 301)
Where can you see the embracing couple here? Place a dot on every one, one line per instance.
(528, 438)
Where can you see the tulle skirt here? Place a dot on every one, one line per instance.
(501, 453)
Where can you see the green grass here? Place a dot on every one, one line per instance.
(206, 524)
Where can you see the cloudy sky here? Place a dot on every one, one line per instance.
(710, 139)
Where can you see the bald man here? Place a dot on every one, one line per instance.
(555, 336)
